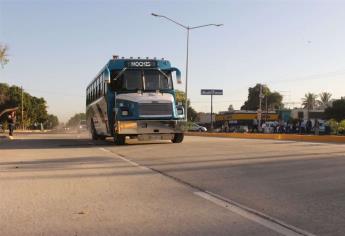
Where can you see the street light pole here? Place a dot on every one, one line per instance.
(188, 28)
(22, 105)
(186, 86)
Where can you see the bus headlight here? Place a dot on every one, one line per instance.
(127, 125)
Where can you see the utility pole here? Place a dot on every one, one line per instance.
(211, 112)
(22, 109)
(266, 108)
(260, 108)
(186, 88)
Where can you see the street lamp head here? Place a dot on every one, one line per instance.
(218, 25)
(156, 15)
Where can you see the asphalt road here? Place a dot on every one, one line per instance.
(68, 185)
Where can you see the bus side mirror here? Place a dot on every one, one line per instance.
(106, 76)
(178, 75)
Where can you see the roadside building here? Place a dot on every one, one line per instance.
(304, 114)
(242, 121)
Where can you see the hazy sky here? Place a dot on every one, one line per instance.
(57, 47)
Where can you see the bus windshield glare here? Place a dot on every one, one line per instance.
(145, 80)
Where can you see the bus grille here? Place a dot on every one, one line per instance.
(155, 109)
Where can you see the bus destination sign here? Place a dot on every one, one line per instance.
(211, 91)
(141, 64)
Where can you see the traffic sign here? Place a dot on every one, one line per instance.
(211, 91)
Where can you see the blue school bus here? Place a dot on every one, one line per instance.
(135, 98)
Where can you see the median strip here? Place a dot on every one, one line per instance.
(290, 137)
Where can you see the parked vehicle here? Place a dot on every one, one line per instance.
(196, 128)
(82, 126)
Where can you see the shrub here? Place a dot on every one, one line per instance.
(341, 127)
(333, 124)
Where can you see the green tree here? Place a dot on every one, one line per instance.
(3, 94)
(333, 124)
(35, 109)
(3, 55)
(274, 99)
(309, 101)
(325, 100)
(191, 113)
(341, 127)
(180, 97)
(74, 121)
(336, 111)
(51, 122)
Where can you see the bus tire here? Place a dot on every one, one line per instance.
(178, 138)
(119, 139)
(94, 134)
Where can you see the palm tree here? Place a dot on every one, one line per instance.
(325, 99)
(3, 55)
(309, 101)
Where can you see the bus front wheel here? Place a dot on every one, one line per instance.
(178, 138)
(119, 139)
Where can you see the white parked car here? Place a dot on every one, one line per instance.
(196, 128)
(82, 126)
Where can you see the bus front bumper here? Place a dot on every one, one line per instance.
(139, 127)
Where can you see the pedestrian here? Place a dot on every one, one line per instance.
(264, 127)
(309, 125)
(317, 127)
(302, 127)
(11, 120)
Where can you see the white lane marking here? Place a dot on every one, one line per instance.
(126, 160)
(253, 215)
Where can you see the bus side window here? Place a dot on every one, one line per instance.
(96, 89)
(90, 93)
(87, 96)
(102, 85)
(99, 87)
(93, 91)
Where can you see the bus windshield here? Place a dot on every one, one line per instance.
(145, 80)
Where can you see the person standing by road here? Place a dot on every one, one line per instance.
(317, 127)
(11, 120)
(309, 125)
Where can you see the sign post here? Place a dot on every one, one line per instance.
(211, 92)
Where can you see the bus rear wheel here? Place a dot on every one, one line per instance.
(119, 139)
(94, 134)
(178, 138)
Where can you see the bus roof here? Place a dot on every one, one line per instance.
(119, 64)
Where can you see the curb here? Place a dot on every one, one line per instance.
(290, 137)
(4, 139)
